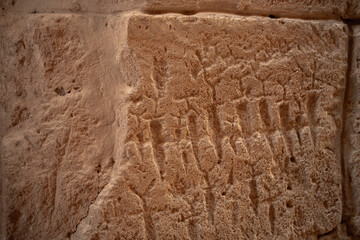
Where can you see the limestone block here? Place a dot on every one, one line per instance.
(233, 131)
(349, 9)
(59, 96)
(76, 6)
(277, 8)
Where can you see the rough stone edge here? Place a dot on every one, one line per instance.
(260, 9)
(351, 11)
(351, 110)
(120, 166)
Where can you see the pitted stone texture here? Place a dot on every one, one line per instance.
(76, 6)
(56, 125)
(233, 131)
(351, 139)
(279, 8)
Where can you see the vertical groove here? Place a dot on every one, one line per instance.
(347, 206)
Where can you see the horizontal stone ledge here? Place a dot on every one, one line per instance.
(308, 9)
(324, 9)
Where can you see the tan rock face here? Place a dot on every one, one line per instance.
(289, 8)
(57, 142)
(233, 124)
(168, 126)
(75, 6)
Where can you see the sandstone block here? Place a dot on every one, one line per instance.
(233, 130)
(58, 80)
(277, 8)
(75, 6)
(311, 9)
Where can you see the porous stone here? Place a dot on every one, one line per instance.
(351, 138)
(76, 6)
(276, 8)
(60, 92)
(233, 131)
(349, 9)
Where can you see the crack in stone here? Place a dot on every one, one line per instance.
(88, 211)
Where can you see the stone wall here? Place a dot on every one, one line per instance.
(197, 119)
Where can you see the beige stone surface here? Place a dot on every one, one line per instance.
(233, 132)
(279, 8)
(76, 6)
(189, 122)
(60, 92)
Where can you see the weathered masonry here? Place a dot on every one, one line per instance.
(199, 119)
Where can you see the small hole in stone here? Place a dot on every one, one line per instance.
(106, 24)
(289, 204)
(289, 187)
(98, 168)
(60, 91)
(219, 161)
(271, 16)
(223, 193)
(292, 159)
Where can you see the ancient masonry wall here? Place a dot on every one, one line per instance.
(181, 119)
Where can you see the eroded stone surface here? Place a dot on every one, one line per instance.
(233, 131)
(59, 75)
(351, 139)
(280, 8)
(289, 8)
(76, 6)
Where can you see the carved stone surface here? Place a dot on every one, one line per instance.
(183, 121)
(233, 131)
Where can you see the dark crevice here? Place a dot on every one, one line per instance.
(350, 22)
(328, 233)
(347, 206)
(296, 15)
